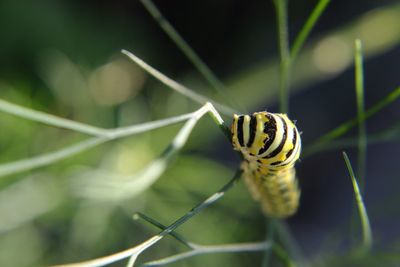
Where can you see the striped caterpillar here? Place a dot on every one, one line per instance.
(270, 145)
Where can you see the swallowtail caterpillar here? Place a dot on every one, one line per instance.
(270, 145)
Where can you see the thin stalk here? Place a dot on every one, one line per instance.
(390, 134)
(49, 158)
(346, 126)
(197, 249)
(188, 51)
(139, 215)
(289, 243)
(176, 144)
(106, 135)
(49, 119)
(362, 132)
(111, 134)
(226, 248)
(270, 236)
(283, 256)
(137, 250)
(365, 225)
(284, 51)
(183, 90)
(148, 175)
(307, 28)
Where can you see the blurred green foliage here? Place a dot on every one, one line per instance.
(63, 58)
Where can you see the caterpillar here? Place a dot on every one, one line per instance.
(270, 144)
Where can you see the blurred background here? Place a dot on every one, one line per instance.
(63, 57)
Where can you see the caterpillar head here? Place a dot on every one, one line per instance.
(271, 139)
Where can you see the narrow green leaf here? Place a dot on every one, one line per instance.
(135, 251)
(389, 134)
(139, 215)
(183, 90)
(362, 132)
(49, 158)
(95, 188)
(346, 126)
(106, 135)
(197, 249)
(49, 119)
(307, 28)
(283, 256)
(270, 236)
(210, 249)
(285, 237)
(188, 51)
(366, 228)
(285, 61)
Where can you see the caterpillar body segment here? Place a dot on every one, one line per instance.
(270, 144)
(278, 193)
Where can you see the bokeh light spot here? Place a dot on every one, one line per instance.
(332, 55)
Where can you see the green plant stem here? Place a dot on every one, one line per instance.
(232, 248)
(366, 228)
(283, 256)
(49, 158)
(199, 64)
(285, 63)
(139, 215)
(176, 144)
(390, 134)
(362, 132)
(346, 126)
(307, 28)
(285, 237)
(197, 249)
(270, 236)
(49, 119)
(183, 90)
(111, 134)
(137, 250)
(149, 174)
(106, 135)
